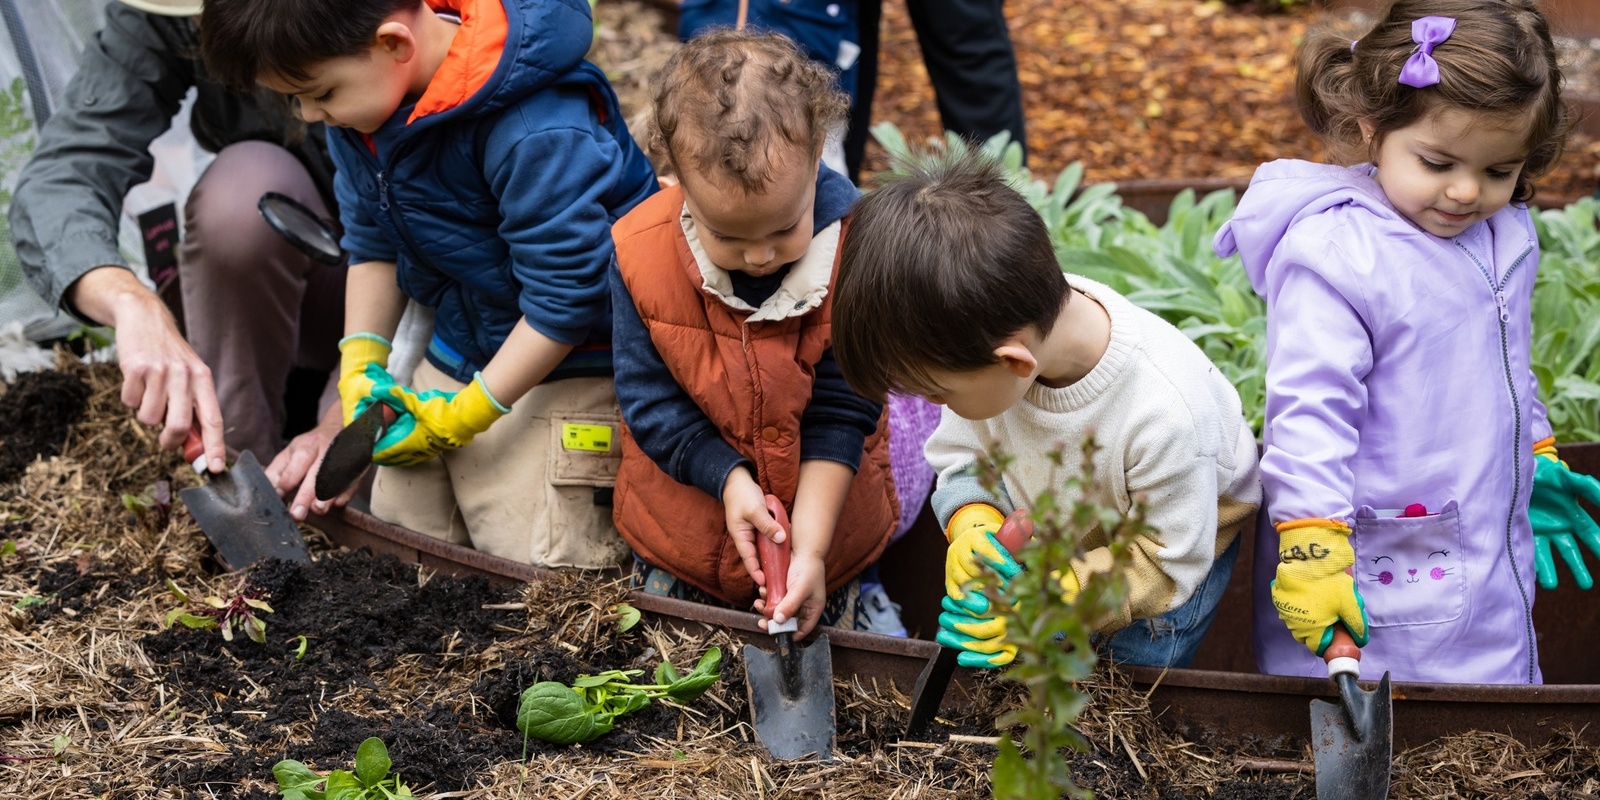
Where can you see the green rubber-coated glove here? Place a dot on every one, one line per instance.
(1314, 589)
(971, 533)
(981, 640)
(363, 363)
(433, 421)
(1559, 522)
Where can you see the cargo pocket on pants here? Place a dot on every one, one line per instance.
(584, 453)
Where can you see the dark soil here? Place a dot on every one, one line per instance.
(35, 414)
(362, 614)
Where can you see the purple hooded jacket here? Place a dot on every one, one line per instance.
(1397, 373)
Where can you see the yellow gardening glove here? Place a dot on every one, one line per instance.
(434, 421)
(1314, 589)
(971, 533)
(363, 362)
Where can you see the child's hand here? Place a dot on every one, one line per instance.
(808, 592)
(1560, 522)
(433, 421)
(745, 509)
(363, 358)
(1313, 589)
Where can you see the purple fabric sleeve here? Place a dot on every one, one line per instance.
(1317, 360)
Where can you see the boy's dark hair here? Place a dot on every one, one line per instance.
(737, 96)
(939, 267)
(244, 40)
(1499, 60)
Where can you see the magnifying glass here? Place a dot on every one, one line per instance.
(302, 228)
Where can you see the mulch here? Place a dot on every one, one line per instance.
(99, 698)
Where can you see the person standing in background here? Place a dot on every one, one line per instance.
(971, 63)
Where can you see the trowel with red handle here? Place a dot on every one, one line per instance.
(1352, 739)
(791, 689)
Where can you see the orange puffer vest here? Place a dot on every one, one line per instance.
(752, 380)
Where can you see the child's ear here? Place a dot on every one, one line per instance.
(396, 39)
(1016, 357)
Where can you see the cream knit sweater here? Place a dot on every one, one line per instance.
(1169, 429)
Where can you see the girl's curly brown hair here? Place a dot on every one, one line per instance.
(728, 101)
(1499, 61)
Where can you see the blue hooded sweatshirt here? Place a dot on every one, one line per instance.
(494, 194)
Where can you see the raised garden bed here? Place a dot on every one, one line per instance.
(96, 699)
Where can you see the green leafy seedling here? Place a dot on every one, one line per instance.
(300, 645)
(370, 781)
(151, 507)
(242, 612)
(627, 616)
(561, 714)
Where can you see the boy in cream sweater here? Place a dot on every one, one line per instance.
(949, 288)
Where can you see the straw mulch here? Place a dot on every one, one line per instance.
(95, 700)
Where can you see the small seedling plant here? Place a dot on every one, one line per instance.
(1055, 638)
(241, 612)
(585, 711)
(152, 507)
(370, 781)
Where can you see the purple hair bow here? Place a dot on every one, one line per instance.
(1428, 32)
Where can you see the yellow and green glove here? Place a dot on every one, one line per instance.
(981, 640)
(363, 363)
(1313, 589)
(433, 421)
(971, 533)
(1558, 521)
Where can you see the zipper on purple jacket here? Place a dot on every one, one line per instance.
(1516, 440)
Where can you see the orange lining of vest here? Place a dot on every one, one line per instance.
(474, 55)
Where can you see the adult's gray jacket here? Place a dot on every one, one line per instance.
(133, 77)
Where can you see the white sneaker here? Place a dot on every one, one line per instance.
(877, 613)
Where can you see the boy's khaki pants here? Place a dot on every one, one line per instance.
(518, 491)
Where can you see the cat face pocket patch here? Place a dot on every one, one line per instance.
(1409, 569)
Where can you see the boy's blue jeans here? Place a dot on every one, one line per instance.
(1172, 639)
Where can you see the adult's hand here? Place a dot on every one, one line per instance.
(162, 377)
(293, 471)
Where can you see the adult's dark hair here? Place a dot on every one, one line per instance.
(1498, 61)
(244, 40)
(939, 267)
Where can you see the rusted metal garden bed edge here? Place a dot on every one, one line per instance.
(1224, 708)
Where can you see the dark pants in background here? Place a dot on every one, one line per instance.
(971, 63)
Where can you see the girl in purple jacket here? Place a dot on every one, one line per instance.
(1404, 436)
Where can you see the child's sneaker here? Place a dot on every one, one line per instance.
(879, 614)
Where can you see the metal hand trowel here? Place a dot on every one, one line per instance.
(239, 510)
(1352, 739)
(790, 690)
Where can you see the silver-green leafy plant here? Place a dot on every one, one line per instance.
(1566, 319)
(1169, 270)
(1055, 637)
(1172, 271)
(370, 781)
(585, 711)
